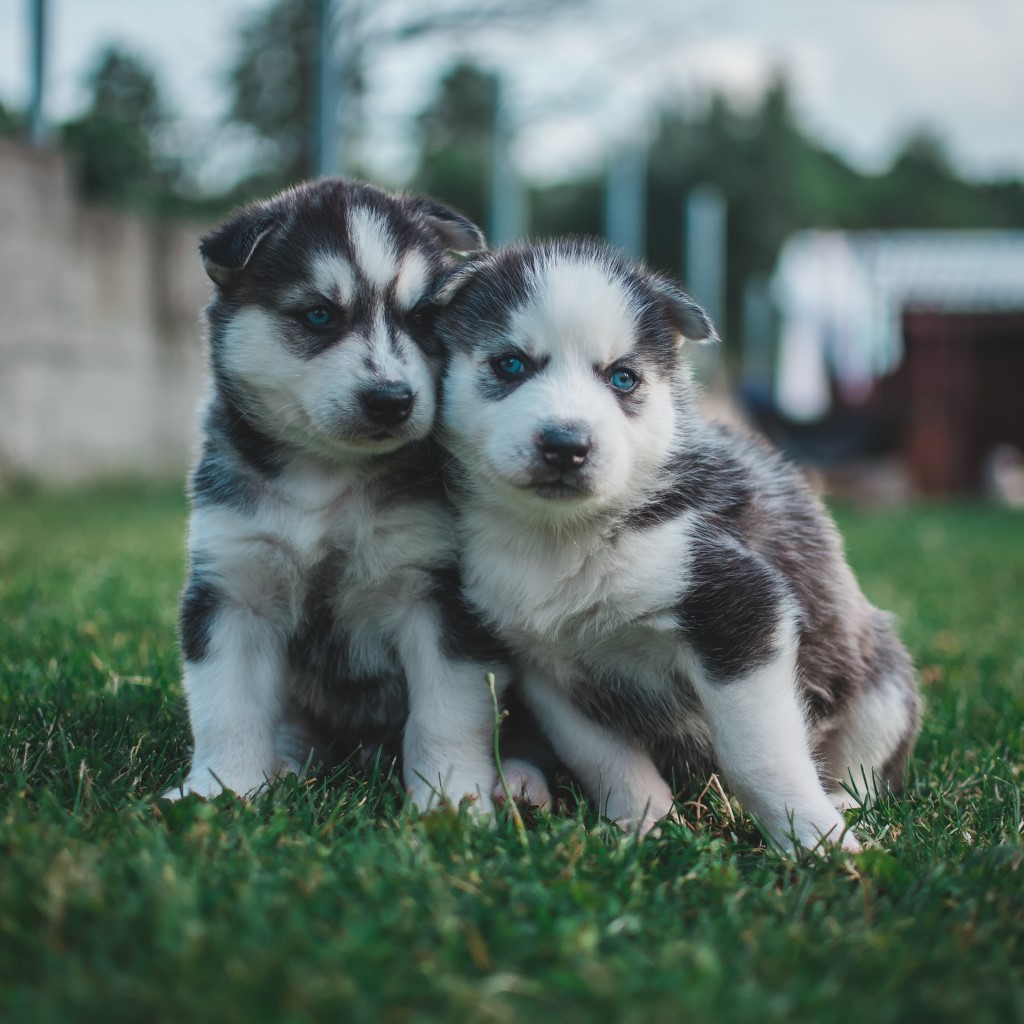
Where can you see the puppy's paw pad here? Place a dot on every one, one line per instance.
(288, 766)
(191, 787)
(642, 827)
(844, 801)
(850, 843)
(648, 825)
(526, 784)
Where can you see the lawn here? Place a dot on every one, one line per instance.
(325, 901)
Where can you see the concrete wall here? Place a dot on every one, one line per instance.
(101, 358)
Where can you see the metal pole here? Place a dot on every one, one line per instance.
(37, 126)
(507, 216)
(625, 201)
(758, 370)
(705, 250)
(326, 148)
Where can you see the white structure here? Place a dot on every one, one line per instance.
(842, 295)
(101, 359)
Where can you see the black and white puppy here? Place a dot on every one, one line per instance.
(323, 579)
(675, 596)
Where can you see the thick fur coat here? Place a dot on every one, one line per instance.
(323, 585)
(674, 596)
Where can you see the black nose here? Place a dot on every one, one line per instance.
(565, 448)
(388, 404)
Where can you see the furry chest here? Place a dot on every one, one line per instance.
(372, 566)
(381, 537)
(643, 654)
(568, 597)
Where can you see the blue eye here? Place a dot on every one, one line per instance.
(510, 366)
(318, 316)
(623, 380)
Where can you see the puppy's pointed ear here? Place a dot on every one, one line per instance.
(227, 251)
(687, 318)
(455, 280)
(457, 233)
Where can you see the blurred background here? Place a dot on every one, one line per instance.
(841, 185)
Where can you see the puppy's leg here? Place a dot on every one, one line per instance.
(447, 747)
(528, 763)
(868, 748)
(527, 784)
(760, 738)
(620, 777)
(295, 744)
(235, 684)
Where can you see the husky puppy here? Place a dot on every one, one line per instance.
(323, 581)
(674, 595)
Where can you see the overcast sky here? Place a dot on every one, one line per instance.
(865, 72)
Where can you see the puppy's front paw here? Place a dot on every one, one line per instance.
(819, 835)
(426, 798)
(649, 824)
(644, 826)
(526, 785)
(202, 783)
(207, 783)
(837, 834)
(643, 814)
(850, 842)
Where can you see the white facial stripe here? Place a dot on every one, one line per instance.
(578, 317)
(412, 279)
(315, 402)
(373, 246)
(334, 277)
(380, 349)
(577, 307)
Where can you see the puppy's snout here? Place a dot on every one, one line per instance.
(388, 404)
(565, 447)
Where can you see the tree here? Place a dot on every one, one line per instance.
(759, 160)
(921, 189)
(455, 140)
(271, 82)
(11, 122)
(273, 73)
(113, 147)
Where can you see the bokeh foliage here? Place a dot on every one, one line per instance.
(776, 177)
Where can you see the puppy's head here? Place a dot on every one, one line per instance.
(564, 384)
(316, 331)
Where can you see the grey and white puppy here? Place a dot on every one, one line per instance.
(674, 595)
(323, 581)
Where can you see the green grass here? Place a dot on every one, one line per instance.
(325, 901)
